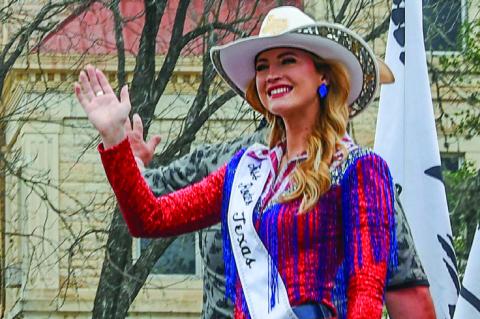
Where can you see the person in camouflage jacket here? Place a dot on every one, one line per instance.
(407, 293)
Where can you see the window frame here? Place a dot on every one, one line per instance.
(460, 157)
(458, 51)
(170, 279)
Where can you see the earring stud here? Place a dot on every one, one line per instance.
(322, 91)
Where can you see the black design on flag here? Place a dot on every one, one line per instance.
(435, 172)
(470, 298)
(398, 18)
(451, 310)
(451, 266)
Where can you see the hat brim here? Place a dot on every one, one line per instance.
(386, 74)
(235, 62)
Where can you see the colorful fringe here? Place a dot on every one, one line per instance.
(319, 252)
(230, 267)
(365, 171)
(378, 196)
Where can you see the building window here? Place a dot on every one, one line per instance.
(452, 161)
(442, 20)
(181, 257)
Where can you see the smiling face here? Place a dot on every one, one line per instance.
(287, 82)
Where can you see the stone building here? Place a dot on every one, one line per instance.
(56, 216)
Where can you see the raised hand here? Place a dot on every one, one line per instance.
(104, 110)
(142, 149)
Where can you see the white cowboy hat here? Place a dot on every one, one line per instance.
(289, 27)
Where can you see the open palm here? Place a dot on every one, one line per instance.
(104, 110)
(141, 149)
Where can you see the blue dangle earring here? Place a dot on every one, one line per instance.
(322, 93)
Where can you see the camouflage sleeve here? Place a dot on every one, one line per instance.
(410, 271)
(185, 171)
(197, 164)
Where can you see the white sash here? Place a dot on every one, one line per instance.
(251, 256)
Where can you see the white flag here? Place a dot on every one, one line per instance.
(468, 305)
(406, 138)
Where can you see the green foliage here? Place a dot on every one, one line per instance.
(463, 187)
(459, 72)
(461, 69)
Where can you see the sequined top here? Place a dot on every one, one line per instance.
(347, 237)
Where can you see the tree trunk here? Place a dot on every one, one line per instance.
(118, 255)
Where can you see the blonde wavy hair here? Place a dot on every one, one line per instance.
(312, 176)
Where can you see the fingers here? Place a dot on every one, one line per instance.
(103, 82)
(80, 95)
(137, 124)
(94, 83)
(85, 86)
(92, 76)
(138, 130)
(154, 141)
(124, 96)
(127, 125)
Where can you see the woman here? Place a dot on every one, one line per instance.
(312, 209)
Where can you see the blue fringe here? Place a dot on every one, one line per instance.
(245, 307)
(230, 267)
(339, 293)
(375, 219)
(393, 249)
(372, 166)
(271, 230)
(268, 229)
(296, 254)
(351, 218)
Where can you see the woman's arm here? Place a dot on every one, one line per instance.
(200, 162)
(189, 209)
(368, 216)
(186, 210)
(190, 168)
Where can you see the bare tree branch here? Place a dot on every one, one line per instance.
(118, 27)
(22, 36)
(189, 134)
(378, 30)
(341, 13)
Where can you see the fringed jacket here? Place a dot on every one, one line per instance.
(339, 250)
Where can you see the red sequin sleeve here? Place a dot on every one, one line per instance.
(369, 227)
(189, 209)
